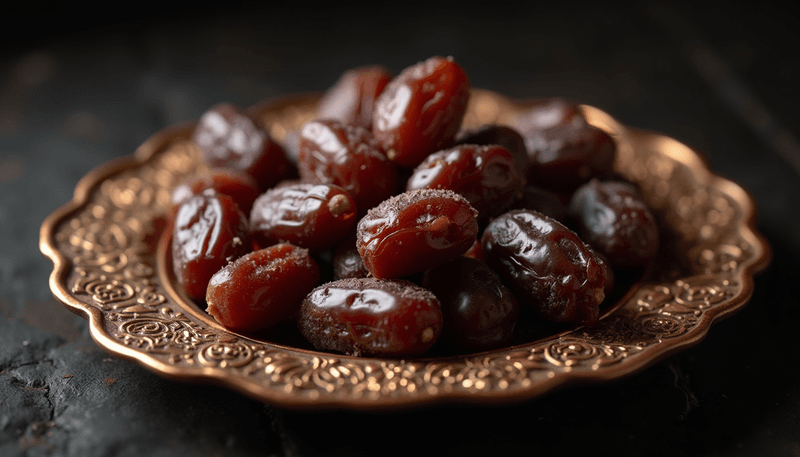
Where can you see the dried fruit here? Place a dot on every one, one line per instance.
(613, 218)
(371, 317)
(306, 215)
(479, 312)
(414, 231)
(209, 231)
(421, 110)
(262, 288)
(546, 265)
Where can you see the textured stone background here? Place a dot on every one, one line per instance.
(77, 91)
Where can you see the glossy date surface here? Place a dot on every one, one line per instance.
(546, 265)
(208, 232)
(371, 317)
(331, 152)
(306, 215)
(614, 219)
(486, 176)
(262, 288)
(414, 231)
(421, 110)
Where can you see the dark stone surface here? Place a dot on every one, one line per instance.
(80, 91)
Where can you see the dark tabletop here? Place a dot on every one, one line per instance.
(78, 89)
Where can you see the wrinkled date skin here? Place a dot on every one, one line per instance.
(241, 187)
(228, 138)
(479, 311)
(331, 152)
(500, 135)
(486, 176)
(307, 215)
(564, 150)
(421, 110)
(262, 288)
(546, 266)
(351, 100)
(208, 232)
(613, 218)
(414, 231)
(371, 317)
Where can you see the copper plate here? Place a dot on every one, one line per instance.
(109, 269)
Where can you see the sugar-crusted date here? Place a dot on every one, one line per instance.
(262, 288)
(371, 317)
(414, 231)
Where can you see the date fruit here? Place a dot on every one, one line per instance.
(351, 100)
(307, 215)
(479, 312)
(546, 266)
(371, 317)
(542, 200)
(500, 135)
(564, 150)
(209, 231)
(613, 218)
(421, 110)
(347, 262)
(262, 288)
(485, 175)
(241, 187)
(348, 156)
(228, 138)
(414, 231)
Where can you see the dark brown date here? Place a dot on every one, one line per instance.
(208, 232)
(371, 317)
(228, 138)
(541, 200)
(347, 262)
(479, 312)
(351, 99)
(262, 288)
(546, 266)
(331, 152)
(241, 187)
(501, 135)
(564, 150)
(613, 218)
(486, 176)
(414, 231)
(421, 110)
(307, 215)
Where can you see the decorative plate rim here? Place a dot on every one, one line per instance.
(104, 273)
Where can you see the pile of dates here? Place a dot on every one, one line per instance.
(382, 228)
